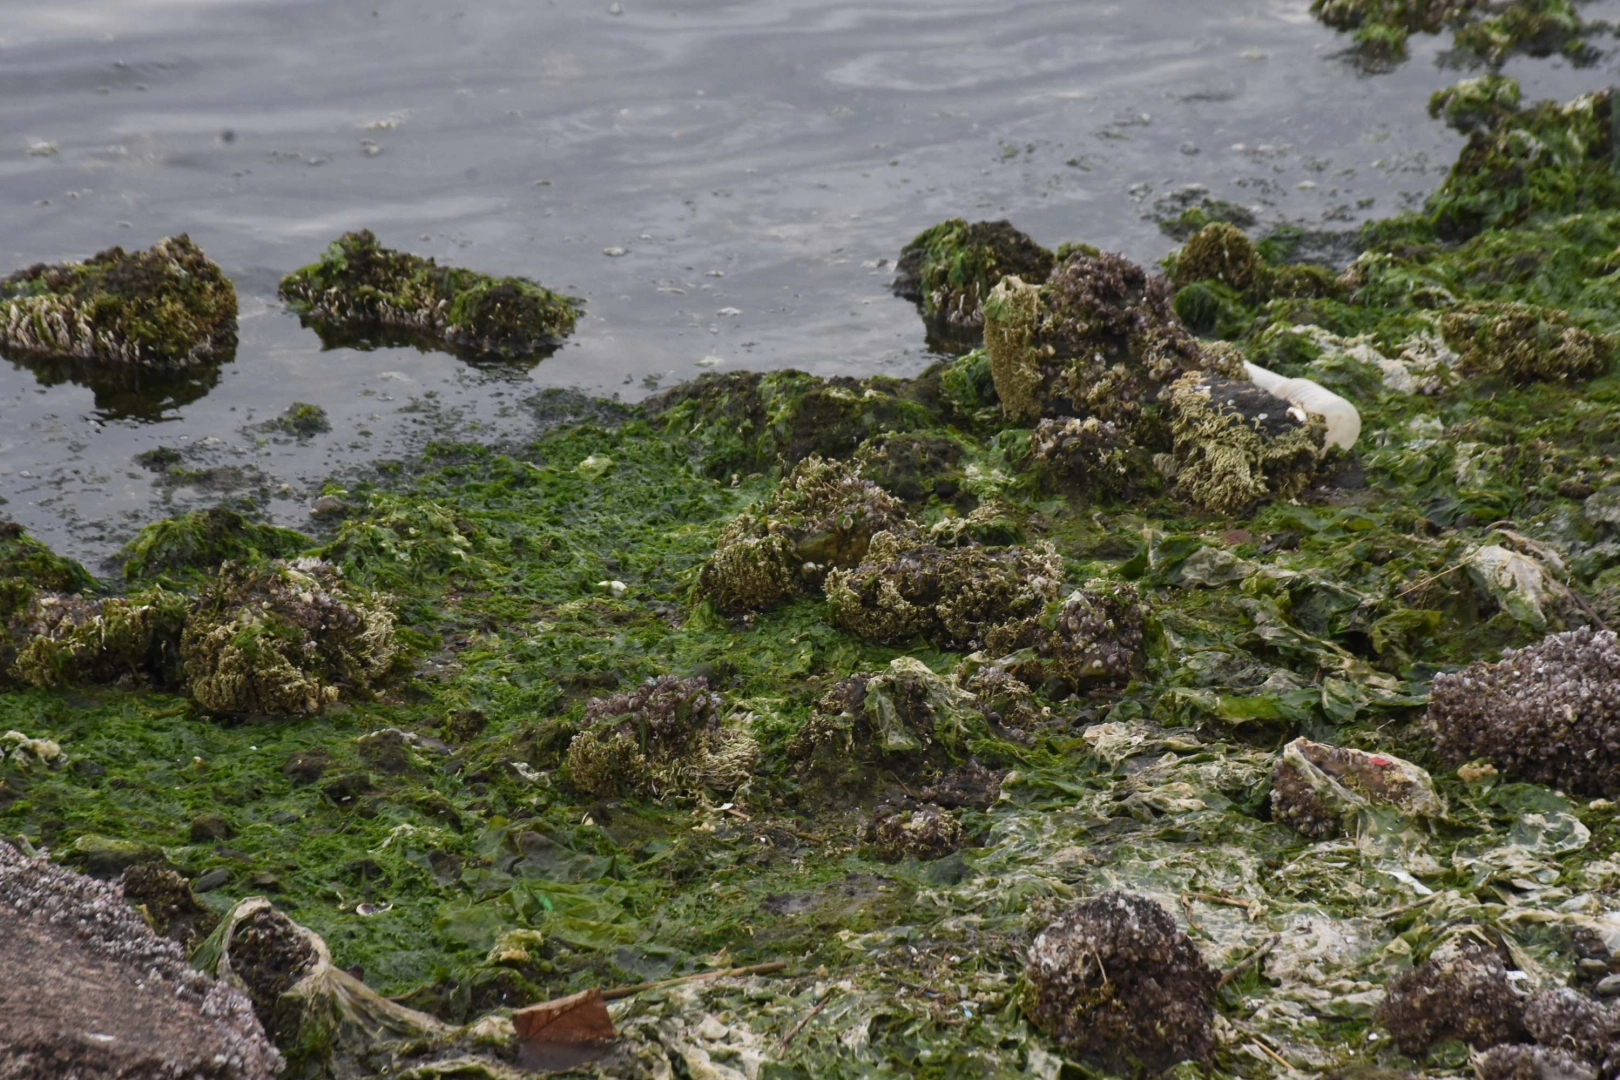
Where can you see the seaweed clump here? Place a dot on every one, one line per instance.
(1460, 992)
(1112, 979)
(1221, 253)
(1096, 637)
(1549, 713)
(951, 597)
(288, 638)
(168, 307)
(194, 545)
(906, 714)
(949, 270)
(69, 640)
(1236, 444)
(823, 515)
(363, 293)
(663, 736)
(1525, 343)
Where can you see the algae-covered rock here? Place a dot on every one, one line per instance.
(913, 466)
(1095, 637)
(1317, 789)
(823, 515)
(905, 711)
(193, 545)
(167, 307)
(1549, 713)
(69, 640)
(748, 422)
(1114, 981)
(1476, 103)
(665, 736)
(949, 269)
(288, 638)
(1221, 253)
(1525, 343)
(1236, 444)
(1091, 458)
(923, 832)
(33, 564)
(361, 292)
(1460, 992)
(949, 596)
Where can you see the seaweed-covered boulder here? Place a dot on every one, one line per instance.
(665, 736)
(949, 596)
(1460, 992)
(1522, 1061)
(1113, 980)
(904, 713)
(91, 991)
(1525, 343)
(948, 271)
(922, 832)
(168, 307)
(287, 638)
(1549, 713)
(1095, 637)
(1236, 444)
(1091, 458)
(1315, 789)
(70, 640)
(193, 545)
(361, 292)
(747, 422)
(165, 901)
(913, 466)
(1098, 338)
(822, 515)
(1221, 253)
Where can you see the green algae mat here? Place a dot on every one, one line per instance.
(1077, 708)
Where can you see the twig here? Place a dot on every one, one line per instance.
(1186, 905)
(725, 973)
(1404, 908)
(1274, 1056)
(1216, 898)
(793, 1032)
(1248, 962)
(1430, 580)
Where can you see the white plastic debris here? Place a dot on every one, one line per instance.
(1343, 420)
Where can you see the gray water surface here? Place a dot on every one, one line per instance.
(758, 163)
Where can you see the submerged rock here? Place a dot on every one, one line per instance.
(950, 269)
(823, 515)
(1113, 980)
(168, 307)
(1460, 992)
(149, 1017)
(1236, 444)
(362, 292)
(925, 832)
(1094, 638)
(1549, 713)
(949, 596)
(1315, 789)
(288, 638)
(1525, 343)
(664, 736)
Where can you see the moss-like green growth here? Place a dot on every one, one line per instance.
(192, 546)
(363, 293)
(1220, 253)
(822, 516)
(665, 736)
(300, 419)
(31, 562)
(914, 467)
(1484, 32)
(286, 639)
(167, 307)
(1236, 444)
(1476, 104)
(949, 596)
(1525, 343)
(133, 641)
(949, 270)
(1204, 212)
(750, 422)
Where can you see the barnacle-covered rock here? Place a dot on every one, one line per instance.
(1219, 252)
(1549, 713)
(1113, 980)
(1316, 788)
(70, 640)
(823, 515)
(1525, 343)
(912, 466)
(168, 307)
(905, 710)
(1567, 1020)
(195, 544)
(361, 292)
(1098, 338)
(1004, 699)
(949, 269)
(666, 735)
(1236, 444)
(1094, 638)
(1091, 458)
(923, 832)
(287, 638)
(950, 596)
(1522, 1061)
(993, 523)
(165, 901)
(1460, 992)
